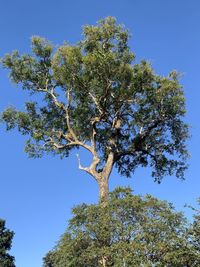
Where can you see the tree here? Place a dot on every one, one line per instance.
(93, 96)
(5, 244)
(141, 231)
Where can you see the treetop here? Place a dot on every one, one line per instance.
(94, 96)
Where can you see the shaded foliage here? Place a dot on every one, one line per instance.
(6, 260)
(194, 230)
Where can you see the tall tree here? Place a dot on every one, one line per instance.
(141, 231)
(96, 98)
(6, 236)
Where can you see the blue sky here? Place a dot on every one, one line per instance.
(36, 195)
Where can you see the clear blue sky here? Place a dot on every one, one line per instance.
(36, 195)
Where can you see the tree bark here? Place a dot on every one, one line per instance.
(104, 178)
(103, 190)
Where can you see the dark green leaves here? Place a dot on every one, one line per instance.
(6, 236)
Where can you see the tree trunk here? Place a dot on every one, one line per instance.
(104, 178)
(103, 191)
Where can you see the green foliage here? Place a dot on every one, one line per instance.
(130, 231)
(94, 91)
(5, 244)
(194, 230)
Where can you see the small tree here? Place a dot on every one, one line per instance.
(96, 98)
(5, 244)
(141, 231)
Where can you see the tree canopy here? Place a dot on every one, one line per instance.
(93, 95)
(6, 260)
(195, 229)
(136, 231)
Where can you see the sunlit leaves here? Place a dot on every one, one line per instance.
(98, 83)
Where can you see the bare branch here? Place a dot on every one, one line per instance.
(89, 170)
(82, 144)
(80, 166)
(52, 142)
(96, 103)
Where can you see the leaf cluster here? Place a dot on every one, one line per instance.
(6, 260)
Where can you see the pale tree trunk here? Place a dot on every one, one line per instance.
(101, 177)
(104, 178)
(103, 190)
